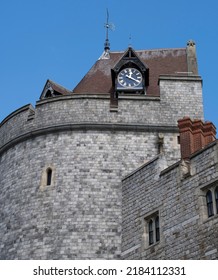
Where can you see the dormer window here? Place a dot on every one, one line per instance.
(48, 93)
(52, 89)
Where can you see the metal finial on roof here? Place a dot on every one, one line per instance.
(111, 27)
(130, 40)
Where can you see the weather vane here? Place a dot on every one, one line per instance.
(108, 26)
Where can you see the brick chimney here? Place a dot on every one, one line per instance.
(194, 135)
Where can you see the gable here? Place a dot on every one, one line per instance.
(130, 59)
(52, 89)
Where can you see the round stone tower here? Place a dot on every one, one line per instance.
(62, 161)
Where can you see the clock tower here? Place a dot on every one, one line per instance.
(130, 74)
(62, 161)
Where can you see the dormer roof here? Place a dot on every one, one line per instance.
(52, 89)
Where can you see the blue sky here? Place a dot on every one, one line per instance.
(61, 39)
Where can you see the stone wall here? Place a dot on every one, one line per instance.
(178, 195)
(79, 216)
(179, 97)
(89, 150)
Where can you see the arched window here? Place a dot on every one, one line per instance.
(157, 229)
(150, 232)
(49, 176)
(209, 199)
(216, 197)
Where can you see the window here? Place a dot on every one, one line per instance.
(209, 200)
(216, 198)
(152, 229)
(49, 176)
(150, 232)
(48, 94)
(157, 229)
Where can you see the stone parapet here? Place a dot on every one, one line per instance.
(186, 231)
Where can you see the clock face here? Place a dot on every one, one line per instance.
(129, 78)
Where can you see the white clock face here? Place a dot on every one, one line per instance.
(129, 78)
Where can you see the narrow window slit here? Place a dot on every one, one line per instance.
(150, 232)
(216, 198)
(49, 176)
(209, 199)
(157, 229)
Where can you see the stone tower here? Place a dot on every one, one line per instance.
(63, 160)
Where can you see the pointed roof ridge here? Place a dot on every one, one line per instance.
(147, 50)
(129, 55)
(62, 88)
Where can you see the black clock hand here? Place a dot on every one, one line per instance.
(131, 78)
